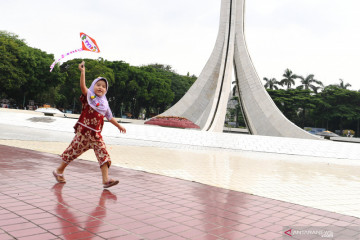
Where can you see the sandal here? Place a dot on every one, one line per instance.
(110, 183)
(59, 177)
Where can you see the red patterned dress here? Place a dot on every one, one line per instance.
(87, 136)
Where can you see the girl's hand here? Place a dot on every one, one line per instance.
(82, 66)
(122, 129)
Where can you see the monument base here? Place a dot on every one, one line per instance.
(176, 122)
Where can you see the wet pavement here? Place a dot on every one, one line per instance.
(142, 206)
(174, 184)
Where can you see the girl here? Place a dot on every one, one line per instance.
(88, 128)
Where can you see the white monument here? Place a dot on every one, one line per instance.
(205, 102)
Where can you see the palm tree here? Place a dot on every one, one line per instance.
(307, 83)
(342, 85)
(289, 78)
(271, 83)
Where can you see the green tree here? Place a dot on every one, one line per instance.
(296, 104)
(179, 84)
(25, 72)
(341, 108)
(271, 83)
(309, 82)
(118, 91)
(160, 90)
(289, 78)
(12, 77)
(344, 85)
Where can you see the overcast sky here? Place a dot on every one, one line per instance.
(319, 37)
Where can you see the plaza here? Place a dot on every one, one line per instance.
(174, 183)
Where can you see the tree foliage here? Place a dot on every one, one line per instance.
(334, 108)
(309, 82)
(25, 71)
(25, 75)
(271, 83)
(311, 104)
(343, 85)
(289, 78)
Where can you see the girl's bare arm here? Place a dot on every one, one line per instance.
(83, 87)
(116, 124)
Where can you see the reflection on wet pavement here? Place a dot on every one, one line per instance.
(92, 221)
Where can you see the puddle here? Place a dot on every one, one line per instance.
(42, 119)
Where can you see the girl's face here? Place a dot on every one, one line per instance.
(100, 88)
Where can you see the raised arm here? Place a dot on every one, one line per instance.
(83, 87)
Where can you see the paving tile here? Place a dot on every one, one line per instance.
(270, 235)
(206, 237)
(93, 238)
(132, 225)
(55, 225)
(234, 235)
(272, 219)
(166, 224)
(263, 224)
(78, 235)
(126, 237)
(190, 234)
(47, 220)
(113, 234)
(9, 216)
(38, 216)
(174, 237)
(118, 219)
(4, 236)
(342, 223)
(160, 234)
(145, 230)
(101, 228)
(220, 231)
(27, 232)
(305, 222)
(43, 236)
(356, 222)
(15, 227)
(291, 217)
(275, 228)
(65, 230)
(178, 229)
(241, 227)
(12, 221)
